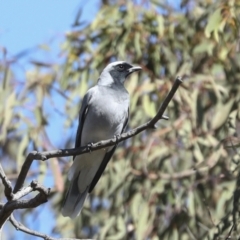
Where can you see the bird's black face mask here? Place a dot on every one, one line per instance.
(121, 71)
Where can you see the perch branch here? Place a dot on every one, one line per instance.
(95, 146)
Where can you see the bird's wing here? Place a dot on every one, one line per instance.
(106, 159)
(82, 117)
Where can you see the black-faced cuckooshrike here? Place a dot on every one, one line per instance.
(103, 115)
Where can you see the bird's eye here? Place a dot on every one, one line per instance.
(121, 66)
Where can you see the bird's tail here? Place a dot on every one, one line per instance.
(74, 199)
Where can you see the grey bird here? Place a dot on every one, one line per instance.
(103, 115)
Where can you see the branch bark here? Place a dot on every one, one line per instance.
(15, 203)
(7, 184)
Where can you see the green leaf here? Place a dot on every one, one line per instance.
(8, 115)
(83, 87)
(121, 230)
(21, 150)
(198, 153)
(106, 228)
(160, 21)
(213, 24)
(204, 46)
(134, 207)
(190, 203)
(143, 220)
(222, 113)
(137, 44)
(148, 106)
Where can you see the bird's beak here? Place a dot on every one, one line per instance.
(133, 69)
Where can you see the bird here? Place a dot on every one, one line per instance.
(103, 115)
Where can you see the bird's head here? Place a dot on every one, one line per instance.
(117, 72)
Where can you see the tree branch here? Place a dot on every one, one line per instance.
(15, 203)
(95, 146)
(7, 184)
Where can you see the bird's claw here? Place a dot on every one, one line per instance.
(117, 136)
(89, 147)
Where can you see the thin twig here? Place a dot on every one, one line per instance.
(167, 100)
(21, 227)
(209, 212)
(230, 232)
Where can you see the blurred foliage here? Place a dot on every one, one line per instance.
(180, 181)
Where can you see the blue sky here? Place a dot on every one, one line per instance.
(26, 24)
